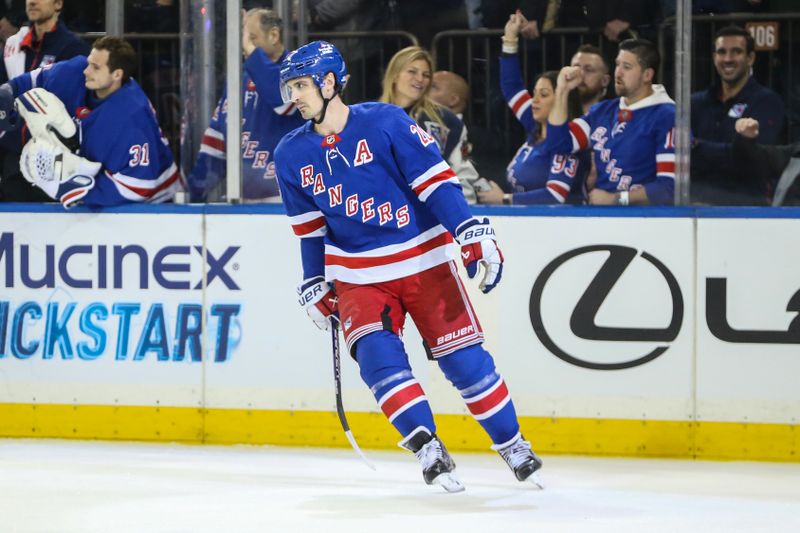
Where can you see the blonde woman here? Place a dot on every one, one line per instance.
(407, 84)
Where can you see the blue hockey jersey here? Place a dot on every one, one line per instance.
(378, 193)
(536, 174)
(120, 132)
(633, 145)
(265, 120)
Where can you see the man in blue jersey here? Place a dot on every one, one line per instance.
(632, 136)
(377, 209)
(265, 117)
(118, 154)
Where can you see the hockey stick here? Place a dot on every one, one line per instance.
(337, 378)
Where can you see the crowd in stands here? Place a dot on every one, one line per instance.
(599, 130)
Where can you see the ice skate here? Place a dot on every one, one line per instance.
(438, 468)
(520, 458)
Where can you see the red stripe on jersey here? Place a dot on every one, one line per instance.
(441, 176)
(308, 227)
(213, 142)
(580, 136)
(147, 193)
(487, 403)
(559, 188)
(401, 398)
(367, 262)
(665, 167)
(522, 100)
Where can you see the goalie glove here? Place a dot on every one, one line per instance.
(47, 118)
(319, 300)
(62, 175)
(479, 248)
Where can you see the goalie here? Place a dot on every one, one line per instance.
(95, 138)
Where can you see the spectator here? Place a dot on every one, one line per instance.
(122, 154)
(716, 178)
(632, 136)
(536, 175)
(407, 83)
(265, 118)
(46, 41)
(776, 168)
(450, 90)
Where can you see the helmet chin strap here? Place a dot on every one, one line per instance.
(325, 102)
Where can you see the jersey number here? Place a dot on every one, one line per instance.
(140, 155)
(423, 135)
(567, 165)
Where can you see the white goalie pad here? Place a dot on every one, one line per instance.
(46, 117)
(62, 175)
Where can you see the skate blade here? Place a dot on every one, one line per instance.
(449, 482)
(536, 480)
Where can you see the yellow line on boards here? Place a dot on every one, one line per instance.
(634, 438)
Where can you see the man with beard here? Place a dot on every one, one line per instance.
(631, 136)
(595, 82)
(716, 178)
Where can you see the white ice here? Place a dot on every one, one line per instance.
(110, 487)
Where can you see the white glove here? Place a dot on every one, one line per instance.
(478, 247)
(319, 300)
(47, 118)
(62, 175)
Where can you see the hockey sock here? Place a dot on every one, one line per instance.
(471, 370)
(385, 369)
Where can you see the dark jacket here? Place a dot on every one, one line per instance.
(718, 177)
(56, 45)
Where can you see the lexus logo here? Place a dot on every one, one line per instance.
(582, 321)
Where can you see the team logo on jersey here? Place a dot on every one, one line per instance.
(583, 323)
(251, 86)
(737, 110)
(82, 112)
(47, 60)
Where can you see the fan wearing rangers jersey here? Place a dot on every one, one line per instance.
(632, 136)
(122, 155)
(265, 118)
(377, 209)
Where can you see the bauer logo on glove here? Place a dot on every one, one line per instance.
(479, 248)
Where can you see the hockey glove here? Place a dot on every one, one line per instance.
(319, 300)
(62, 175)
(478, 247)
(47, 118)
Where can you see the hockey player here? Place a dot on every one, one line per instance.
(632, 136)
(265, 118)
(122, 156)
(376, 209)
